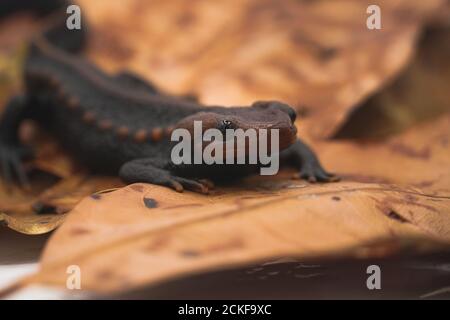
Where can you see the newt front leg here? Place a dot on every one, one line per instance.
(157, 171)
(300, 156)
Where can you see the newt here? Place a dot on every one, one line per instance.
(121, 124)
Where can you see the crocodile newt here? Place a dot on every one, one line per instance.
(121, 124)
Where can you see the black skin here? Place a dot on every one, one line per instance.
(120, 124)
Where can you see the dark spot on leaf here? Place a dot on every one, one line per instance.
(327, 53)
(96, 196)
(150, 203)
(394, 215)
(190, 253)
(335, 198)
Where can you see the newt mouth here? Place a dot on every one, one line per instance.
(262, 142)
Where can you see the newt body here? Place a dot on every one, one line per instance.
(122, 124)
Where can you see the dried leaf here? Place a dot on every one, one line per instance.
(420, 93)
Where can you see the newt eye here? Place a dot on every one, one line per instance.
(292, 114)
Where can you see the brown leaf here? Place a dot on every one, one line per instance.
(417, 158)
(45, 209)
(418, 94)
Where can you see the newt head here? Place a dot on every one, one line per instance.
(267, 115)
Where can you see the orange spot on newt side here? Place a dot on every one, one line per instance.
(156, 134)
(140, 135)
(89, 117)
(105, 124)
(123, 132)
